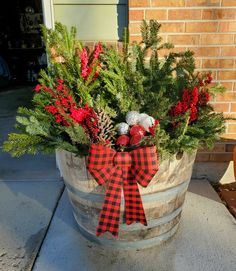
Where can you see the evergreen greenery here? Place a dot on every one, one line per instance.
(136, 78)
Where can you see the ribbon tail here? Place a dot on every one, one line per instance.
(134, 211)
(110, 213)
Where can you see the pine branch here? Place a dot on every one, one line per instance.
(19, 144)
(125, 41)
(77, 134)
(145, 32)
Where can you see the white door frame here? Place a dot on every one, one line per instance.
(48, 13)
(48, 20)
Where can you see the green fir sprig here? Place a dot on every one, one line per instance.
(136, 78)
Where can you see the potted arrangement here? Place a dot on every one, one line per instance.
(125, 125)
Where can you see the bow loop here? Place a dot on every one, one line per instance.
(100, 156)
(100, 163)
(145, 164)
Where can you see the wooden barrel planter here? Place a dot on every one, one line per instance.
(162, 200)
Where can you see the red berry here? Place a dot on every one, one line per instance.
(122, 140)
(135, 139)
(136, 130)
(201, 83)
(210, 78)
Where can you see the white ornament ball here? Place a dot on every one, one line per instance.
(132, 117)
(122, 128)
(142, 115)
(146, 122)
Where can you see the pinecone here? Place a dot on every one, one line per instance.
(107, 131)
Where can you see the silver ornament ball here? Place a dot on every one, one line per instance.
(132, 117)
(122, 128)
(146, 122)
(142, 115)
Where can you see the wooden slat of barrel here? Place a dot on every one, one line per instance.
(162, 200)
(137, 244)
(171, 172)
(157, 207)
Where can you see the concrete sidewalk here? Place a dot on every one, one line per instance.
(205, 241)
(38, 231)
(29, 191)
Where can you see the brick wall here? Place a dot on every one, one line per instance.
(207, 27)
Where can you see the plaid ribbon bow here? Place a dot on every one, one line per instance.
(121, 169)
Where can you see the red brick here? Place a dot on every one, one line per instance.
(233, 107)
(135, 38)
(164, 37)
(198, 63)
(184, 39)
(219, 147)
(217, 63)
(198, 27)
(227, 85)
(156, 14)
(164, 52)
(172, 27)
(227, 26)
(232, 128)
(221, 157)
(229, 3)
(134, 28)
(206, 51)
(168, 3)
(227, 75)
(218, 14)
(202, 3)
(217, 39)
(138, 3)
(221, 107)
(184, 14)
(226, 97)
(228, 51)
(202, 157)
(229, 147)
(136, 15)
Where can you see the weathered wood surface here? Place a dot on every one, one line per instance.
(162, 200)
(171, 172)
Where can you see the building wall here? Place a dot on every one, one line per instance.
(95, 20)
(209, 29)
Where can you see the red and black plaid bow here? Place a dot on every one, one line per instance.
(121, 169)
